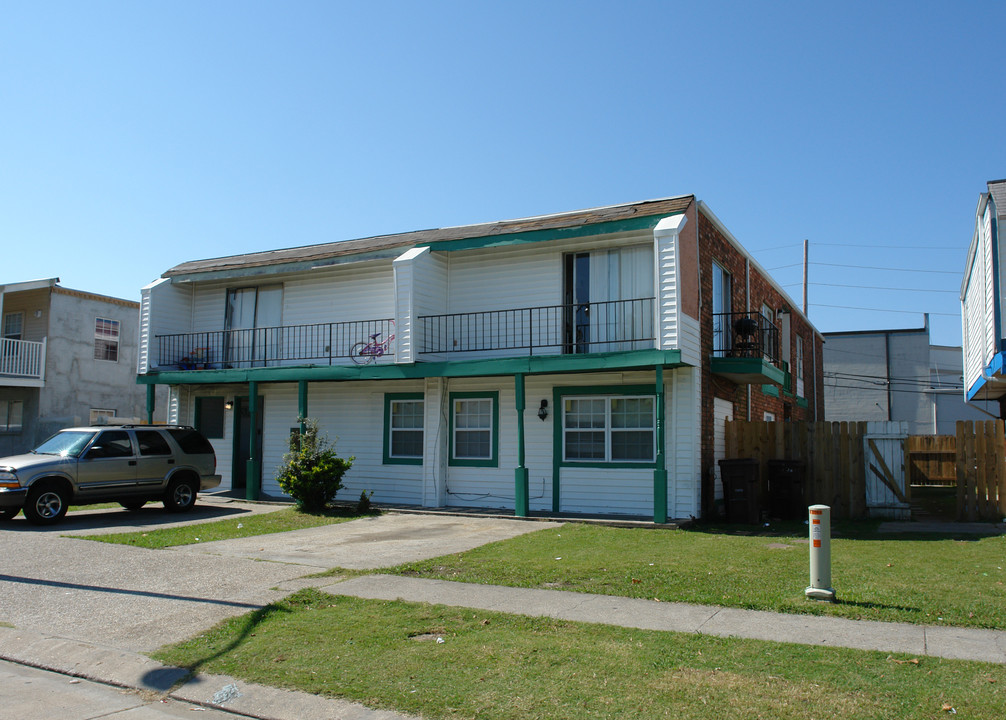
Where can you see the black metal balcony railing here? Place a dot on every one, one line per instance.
(261, 347)
(745, 335)
(581, 328)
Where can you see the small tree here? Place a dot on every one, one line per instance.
(312, 471)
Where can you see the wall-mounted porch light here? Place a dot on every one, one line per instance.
(543, 410)
(229, 405)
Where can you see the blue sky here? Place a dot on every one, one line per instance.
(138, 135)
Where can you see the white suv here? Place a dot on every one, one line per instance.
(128, 464)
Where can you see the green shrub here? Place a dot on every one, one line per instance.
(312, 471)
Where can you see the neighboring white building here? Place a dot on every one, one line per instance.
(982, 301)
(565, 362)
(67, 358)
(895, 375)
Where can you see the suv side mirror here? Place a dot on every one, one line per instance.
(96, 451)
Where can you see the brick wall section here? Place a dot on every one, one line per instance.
(714, 247)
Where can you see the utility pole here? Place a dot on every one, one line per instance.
(805, 243)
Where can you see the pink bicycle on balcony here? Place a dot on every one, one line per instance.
(364, 353)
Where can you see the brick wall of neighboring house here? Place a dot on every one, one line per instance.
(714, 247)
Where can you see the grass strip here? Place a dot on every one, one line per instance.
(458, 663)
(245, 526)
(919, 579)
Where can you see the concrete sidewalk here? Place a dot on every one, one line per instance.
(132, 670)
(946, 642)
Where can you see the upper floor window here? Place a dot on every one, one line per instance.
(101, 416)
(13, 325)
(106, 339)
(721, 310)
(799, 358)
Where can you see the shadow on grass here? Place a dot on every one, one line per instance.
(842, 529)
(251, 623)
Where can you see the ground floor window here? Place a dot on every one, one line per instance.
(403, 423)
(609, 428)
(11, 412)
(475, 429)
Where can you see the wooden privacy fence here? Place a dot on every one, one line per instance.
(931, 460)
(981, 470)
(832, 454)
(847, 464)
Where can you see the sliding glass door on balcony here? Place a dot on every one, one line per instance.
(252, 324)
(607, 298)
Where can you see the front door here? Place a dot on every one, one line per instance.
(242, 440)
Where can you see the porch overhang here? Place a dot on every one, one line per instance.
(747, 371)
(525, 365)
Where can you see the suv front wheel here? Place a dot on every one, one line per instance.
(46, 504)
(181, 494)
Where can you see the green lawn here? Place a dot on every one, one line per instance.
(921, 579)
(498, 666)
(244, 526)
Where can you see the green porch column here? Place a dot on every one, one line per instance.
(660, 471)
(151, 399)
(520, 507)
(253, 480)
(302, 405)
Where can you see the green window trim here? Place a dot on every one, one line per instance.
(493, 459)
(560, 393)
(389, 400)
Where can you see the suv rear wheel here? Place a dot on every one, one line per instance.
(181, 494)
(46, 504)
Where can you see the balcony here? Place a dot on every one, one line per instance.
(22, 362)
(323, 344)
(612, 326)
(746, 349)
(560, 329)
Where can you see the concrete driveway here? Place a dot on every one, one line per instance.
(137, 599)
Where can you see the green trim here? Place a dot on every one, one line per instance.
(660, 472)
(771, 390)
(388, 399)
(151, 401)
(302, 405)
(747, 370)
(802, 402)
(521, 490)
(558, 393)
(253, 478)
(565, 233)
(493, 460)
(526, 365)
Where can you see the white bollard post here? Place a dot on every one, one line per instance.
(820, 554)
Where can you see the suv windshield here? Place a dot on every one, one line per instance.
(65, 444)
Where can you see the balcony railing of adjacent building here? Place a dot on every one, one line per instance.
(745, 335)
(582, 328)
(23, 359)
(321, 344)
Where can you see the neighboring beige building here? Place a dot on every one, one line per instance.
(67, 358)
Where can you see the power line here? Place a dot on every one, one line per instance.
(880, 287)
(869, 267)
(907, 312)
(889, 247)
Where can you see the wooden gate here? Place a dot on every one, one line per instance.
(884, 457)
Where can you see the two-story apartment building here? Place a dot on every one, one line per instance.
(566, 363)
(67, 358)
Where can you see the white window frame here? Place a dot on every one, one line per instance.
(8, 333)
(608, 429)
(398, 402)
(721, 309)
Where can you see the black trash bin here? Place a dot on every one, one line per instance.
(786, 489)
(740, 489)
